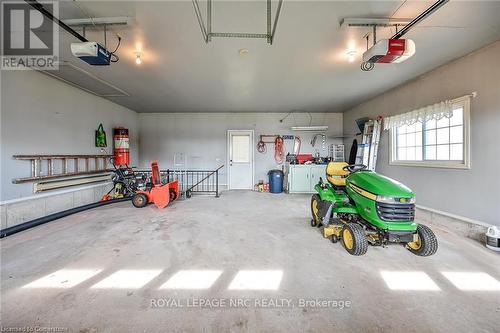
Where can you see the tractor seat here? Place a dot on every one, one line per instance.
(335, 173)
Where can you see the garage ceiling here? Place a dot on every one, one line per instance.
(305, 70)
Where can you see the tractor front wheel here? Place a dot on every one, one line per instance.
(354, 239)
(426, 243)
(316, 210)
(139, 200)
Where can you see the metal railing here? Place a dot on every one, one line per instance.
(191, 181)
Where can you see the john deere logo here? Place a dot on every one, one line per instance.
(363, 192)
(29, 39)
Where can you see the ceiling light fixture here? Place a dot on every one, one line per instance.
(138, 60)
(310, 128)
(243, 51)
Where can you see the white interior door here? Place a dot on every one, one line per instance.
(241, 159)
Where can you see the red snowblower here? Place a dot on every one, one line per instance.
(158, 193)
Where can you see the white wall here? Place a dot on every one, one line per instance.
(470, 193)
(202, 137)
(41, 115)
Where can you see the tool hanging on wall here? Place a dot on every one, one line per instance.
(261, 146)
(323, 139)
(296, 145)
(279, 150)
(100, 137)
(279, 145)
(265, 139)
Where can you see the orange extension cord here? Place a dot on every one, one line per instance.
(279, 150)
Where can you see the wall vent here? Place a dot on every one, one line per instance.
(84, 80)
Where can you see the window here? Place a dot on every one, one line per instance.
(241, 148)
(434, 143)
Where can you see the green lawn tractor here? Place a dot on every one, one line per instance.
(360, 207)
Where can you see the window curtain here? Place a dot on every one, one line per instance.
(435, 111)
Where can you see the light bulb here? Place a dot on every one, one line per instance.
(138, 60)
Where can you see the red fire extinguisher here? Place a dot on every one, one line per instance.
(121, 145)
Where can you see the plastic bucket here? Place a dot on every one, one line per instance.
(275, 181)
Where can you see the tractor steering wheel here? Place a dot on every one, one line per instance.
(354, 167)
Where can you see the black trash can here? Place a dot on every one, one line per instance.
(275, 181)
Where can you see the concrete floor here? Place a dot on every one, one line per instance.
(238, 231)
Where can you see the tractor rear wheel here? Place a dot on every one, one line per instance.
(426, 243)
(139, 200)
(354, 239)
(316, 209)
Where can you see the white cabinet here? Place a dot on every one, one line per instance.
(317, 172)
(303, 178)
(299, 179)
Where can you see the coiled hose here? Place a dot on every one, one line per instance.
(279, 150)
(261, 146)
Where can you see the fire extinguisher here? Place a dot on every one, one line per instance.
(121, 145)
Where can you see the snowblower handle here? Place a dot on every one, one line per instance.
(155, 174)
